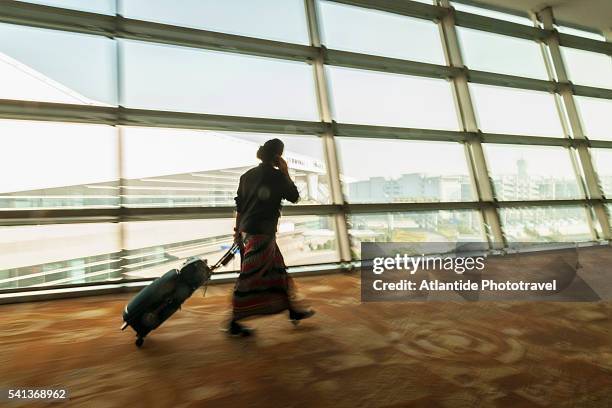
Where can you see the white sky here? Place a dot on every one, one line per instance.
(491, 52)
(175, 78)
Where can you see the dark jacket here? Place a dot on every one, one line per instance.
(259, 196)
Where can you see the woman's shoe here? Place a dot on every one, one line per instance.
(235, 329)
(296, 315)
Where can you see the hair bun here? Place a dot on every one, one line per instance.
(269, 150)
(260, 153)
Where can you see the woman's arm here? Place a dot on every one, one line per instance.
(237, 236)
(238, 200)
(290, 191)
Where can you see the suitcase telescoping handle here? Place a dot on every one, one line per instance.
(227, 257)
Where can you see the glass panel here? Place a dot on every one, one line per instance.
(580, 33)
(404, 171)
(531, 173)
(545, 224)
(280, 20)
(190, 80)
(493, 14)
(603, 166)
(56, 66)
(77, 253)
(58, 254)
(153, 247)
(374, 32)
(57, 165)
(375, 98)
(588, 68)
(93, 6)
(595, 114)
(207, 166)
(434, 226)
(499, 53)
(516, 111)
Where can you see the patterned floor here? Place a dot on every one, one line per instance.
(349, 355)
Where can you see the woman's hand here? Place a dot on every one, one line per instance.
(282, 166)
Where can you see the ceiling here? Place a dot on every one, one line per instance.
(593, 14)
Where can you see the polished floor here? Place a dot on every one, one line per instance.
(436, 354)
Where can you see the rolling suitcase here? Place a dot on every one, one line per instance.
(155, 303)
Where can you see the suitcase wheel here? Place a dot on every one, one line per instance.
(139, 342)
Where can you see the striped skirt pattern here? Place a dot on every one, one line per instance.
(263, 286)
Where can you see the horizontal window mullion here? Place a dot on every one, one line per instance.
(511, 81)
(497, 26)
(42, 16)
(59, 112)
(59, 216)
(593, 92)
(120, 27)
(56, 18)
(414, 68)
(494, 25)
(404, 7)
(44, 111)
(445, 206)
(181, 120)
(410, 207)
(498, 138)
(384, 132)
(545, 203)
(587, 44)
(349, 59)
(125, 214)
(211, 40)
(601, 144)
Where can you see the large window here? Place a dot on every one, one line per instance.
(499, 53)
(527, 173)
(596, 114)
(588, 68)
(50, 164)
(580, 33)
(404, 171)
(191, 80)
(206, 166)
(304, 240)
(280, 20)
(159, 131)
(545, 224)
(603, 166)
(378, 33)
(58, 254)
(56, 66)
(426, 226)
(375, 98)
(48, 255)
(516, 111)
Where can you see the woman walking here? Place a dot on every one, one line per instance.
(263, 286)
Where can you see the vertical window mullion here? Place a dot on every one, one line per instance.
(474, 152)
(593, 186)
(329, 145)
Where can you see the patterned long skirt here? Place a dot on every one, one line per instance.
(263, 286)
